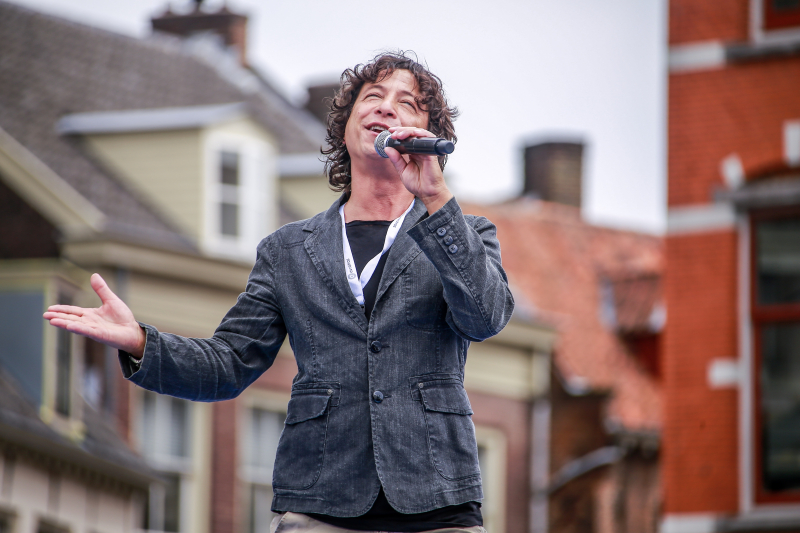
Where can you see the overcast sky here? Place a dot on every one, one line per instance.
(518, 70)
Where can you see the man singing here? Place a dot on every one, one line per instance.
(380, 296)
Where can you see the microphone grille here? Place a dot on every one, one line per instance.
(380, 143)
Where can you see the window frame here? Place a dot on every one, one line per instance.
(53, 279)
(256, 193)
(774, 20)
(759, 317)
(767, 33)
(493, 507)
(185, 467)
(229, 193)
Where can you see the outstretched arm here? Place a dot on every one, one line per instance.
(112, 323)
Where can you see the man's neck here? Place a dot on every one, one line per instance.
(381, 198)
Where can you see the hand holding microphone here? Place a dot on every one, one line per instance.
(413, 145)
(421, 176)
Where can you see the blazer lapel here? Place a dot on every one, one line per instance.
(403, 250)
(324, 247)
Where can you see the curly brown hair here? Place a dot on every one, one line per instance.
(432, 99)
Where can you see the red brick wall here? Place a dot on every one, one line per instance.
(700, 468)
(715, 113)
(704, 20)
(512, 417)
(224, 478)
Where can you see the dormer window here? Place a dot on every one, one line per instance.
(780, 14)
(238, 194)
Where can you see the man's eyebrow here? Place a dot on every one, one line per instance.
(382, 87)
(373, 86)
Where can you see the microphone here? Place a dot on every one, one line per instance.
(413, 145)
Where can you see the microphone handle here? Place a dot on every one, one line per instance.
(422, 145)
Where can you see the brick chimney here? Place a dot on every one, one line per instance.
(554, 172)
(230, 26)
(316, 103)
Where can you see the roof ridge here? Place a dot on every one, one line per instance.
(63, 19)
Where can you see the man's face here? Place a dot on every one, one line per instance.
(379, 106)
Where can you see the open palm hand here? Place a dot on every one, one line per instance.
(112, 323)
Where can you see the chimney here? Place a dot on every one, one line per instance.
(316, 103)
(554, 171)
(231, 27)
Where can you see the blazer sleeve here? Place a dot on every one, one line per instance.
(243, 346)
(467, 257)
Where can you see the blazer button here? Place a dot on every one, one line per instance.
(375, 347)
(448, 240)
(377, 396)
(441, 231)
(453, 248)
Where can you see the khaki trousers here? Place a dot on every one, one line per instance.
(300, 523)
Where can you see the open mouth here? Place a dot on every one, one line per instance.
(377, 128)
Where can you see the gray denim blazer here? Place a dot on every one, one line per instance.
(378, 402)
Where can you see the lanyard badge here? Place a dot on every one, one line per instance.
(357, 283)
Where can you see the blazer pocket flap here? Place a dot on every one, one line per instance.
(446, 398)
(306, 406)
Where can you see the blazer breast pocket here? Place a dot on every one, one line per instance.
(423, 296)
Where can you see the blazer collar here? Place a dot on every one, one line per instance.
(403, 250)
(324, 247)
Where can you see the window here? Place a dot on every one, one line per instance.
(22, 346)
(95, 375)
(229, 193)
(99, 372)
(492, 461)
(239, 193)
(63, 394)
(779, 14)
(776, 324)
(63, 371)
(164, 438)
(261, 443)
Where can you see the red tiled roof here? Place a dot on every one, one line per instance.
(558, 263)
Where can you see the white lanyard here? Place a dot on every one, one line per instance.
(357, 285)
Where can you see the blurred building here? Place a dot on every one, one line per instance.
(731, 458)
(161, 163)
(597, 435)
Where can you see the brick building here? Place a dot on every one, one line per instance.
(731, 454)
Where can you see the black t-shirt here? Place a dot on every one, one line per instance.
(366, 238)
(366, 241)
